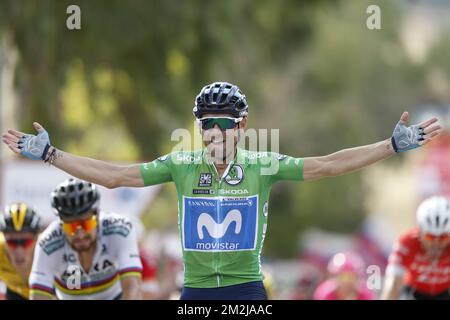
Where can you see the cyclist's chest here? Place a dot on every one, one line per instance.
(424, 269)
(237, 181)
(102, 264)
(221, 213)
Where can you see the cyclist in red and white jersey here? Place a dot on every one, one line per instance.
(419, 266)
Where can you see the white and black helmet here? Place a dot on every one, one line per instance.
(73, 198)
(433, 215)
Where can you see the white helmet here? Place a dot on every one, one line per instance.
(433, 216)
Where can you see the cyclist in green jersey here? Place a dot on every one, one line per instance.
(223, 190)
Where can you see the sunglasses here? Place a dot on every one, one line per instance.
(431, 237)
(25, 243)
(224, 123)
(87, 225)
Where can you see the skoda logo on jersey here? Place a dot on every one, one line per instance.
(235, 175)
(219, 224)
(233, 192)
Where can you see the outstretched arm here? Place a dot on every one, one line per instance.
(404, 138)
(99, 172)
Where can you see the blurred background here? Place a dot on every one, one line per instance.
(116, 89)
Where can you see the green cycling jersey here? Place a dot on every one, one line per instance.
(222, 220)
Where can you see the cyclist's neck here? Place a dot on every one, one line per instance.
(22, 269)
(435, 253)
(86, 257)
(221, 166)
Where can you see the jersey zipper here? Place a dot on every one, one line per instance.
(218, 185)
(217, 182)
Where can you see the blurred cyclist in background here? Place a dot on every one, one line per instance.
(19, 227)
(86, 253)
(305, 287)
(419, 266)
(347, 282)
(158, 279)
(269, 283)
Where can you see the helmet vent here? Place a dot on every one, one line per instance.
(444, 223)
(430, 223)
(222, 98)
(74, 197)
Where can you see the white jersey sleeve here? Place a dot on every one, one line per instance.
(123, 239)
(41, 279)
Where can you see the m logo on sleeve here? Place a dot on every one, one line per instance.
(220, 224)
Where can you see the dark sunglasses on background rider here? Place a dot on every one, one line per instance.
(24, 242)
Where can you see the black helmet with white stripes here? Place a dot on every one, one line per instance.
(73, 198)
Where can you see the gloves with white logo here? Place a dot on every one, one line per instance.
(405, 138)
(34, 147)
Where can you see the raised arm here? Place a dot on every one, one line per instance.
(99, 172)
(404, 138)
